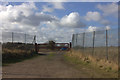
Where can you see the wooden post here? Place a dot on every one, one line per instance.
(107, 44)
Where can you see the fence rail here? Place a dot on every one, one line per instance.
(101, 44)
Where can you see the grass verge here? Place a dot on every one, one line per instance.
(79, 60)
(6, 62)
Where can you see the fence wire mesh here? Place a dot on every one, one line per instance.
(0, 56)
(100, 44)
(17, 37)
(16, 46)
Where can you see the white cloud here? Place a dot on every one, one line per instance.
(94, 16)
(4, 3)
(57, 34)
(62, 29)
(47, 9)
(72, 20)
(25, 18)
(91, 29)
(108, 27)
(22, 17)
(51, 6)
(25, 15)
(97, 17)
(95, 28)
(57, 5)
(105, 22)
(109, 9)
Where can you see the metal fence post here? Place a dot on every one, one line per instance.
(12, 37)
(73, 40)
(36, 48)
(34, 40)
(93, 42)
(76, 38)
(25, 38)
(106, 44)
(70, 45)
(36, 45)
(83, 39)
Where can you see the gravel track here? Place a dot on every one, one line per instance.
(45, 66)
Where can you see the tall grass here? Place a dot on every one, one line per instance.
(98, 59)
(16, 52)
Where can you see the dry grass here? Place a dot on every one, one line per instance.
(97, 59)
(16, 52)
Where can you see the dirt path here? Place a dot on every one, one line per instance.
(45, 66)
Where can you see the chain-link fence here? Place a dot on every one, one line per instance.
(13, 37)
(101, 44)
(17, 46)
(0, 55)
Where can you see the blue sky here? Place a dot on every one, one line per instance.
(81, 7)
(59, 20)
